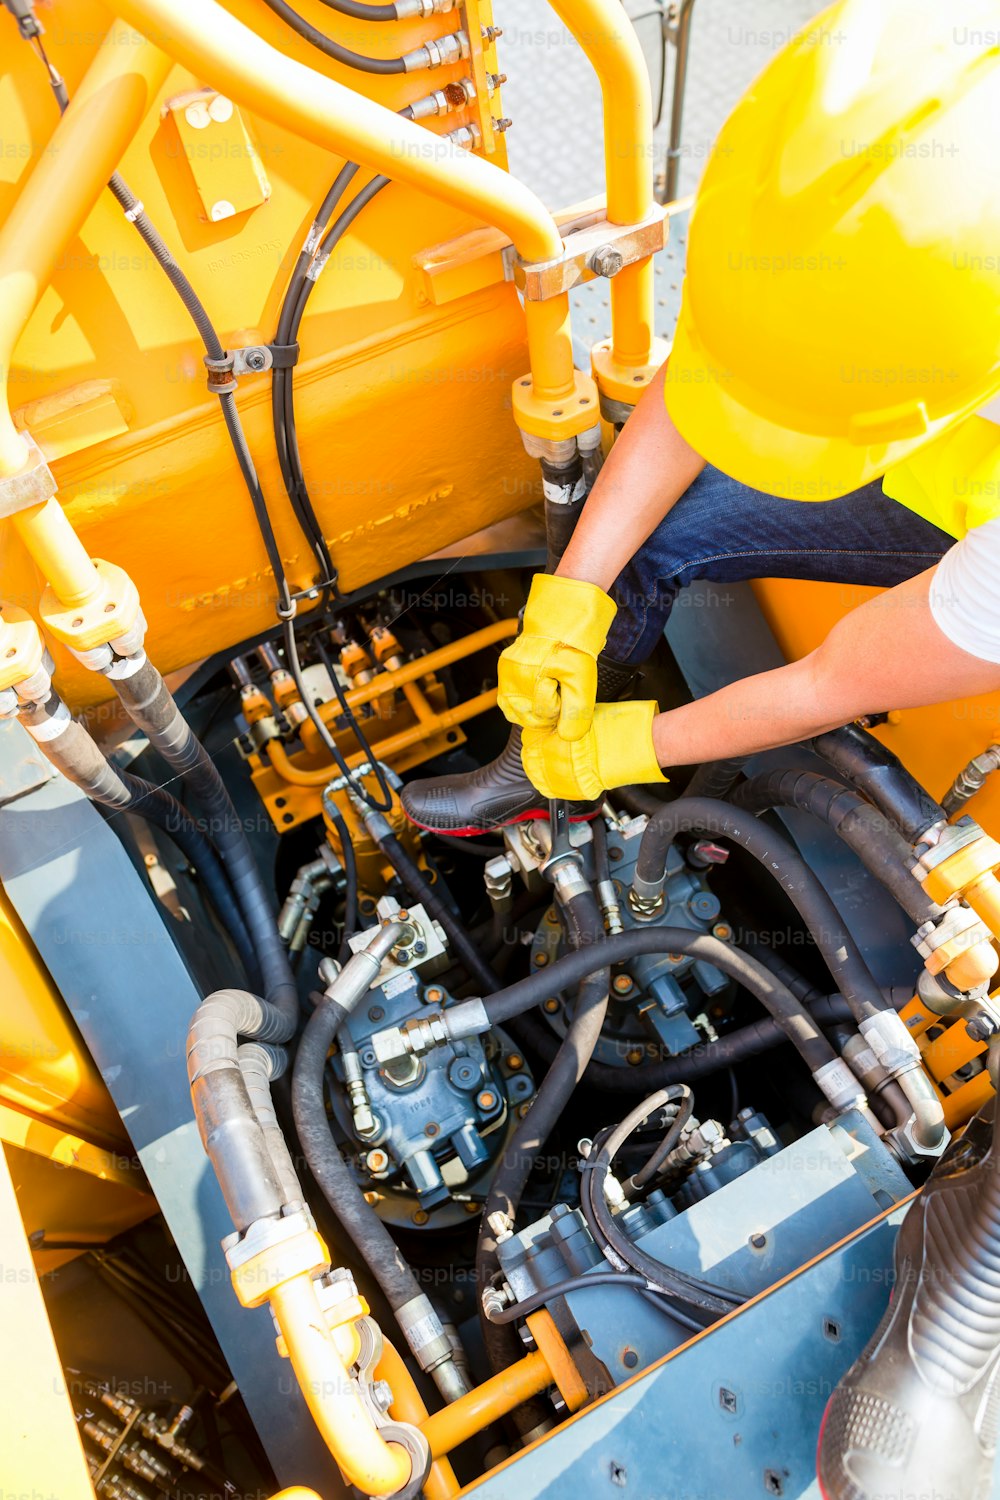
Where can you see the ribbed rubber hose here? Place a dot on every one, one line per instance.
(881, 776)
(149, 704)
(779, 856)
(862, 827)
(585, 928)
(478, 970)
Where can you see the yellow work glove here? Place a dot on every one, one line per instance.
(548, 676)
(617, 749)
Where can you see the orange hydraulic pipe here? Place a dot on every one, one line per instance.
(606, 35)
(407, 1406)
(367, 1460)
(471, 1413)
(60, 191)
(422, 666)
(219, 48)
(385, 749)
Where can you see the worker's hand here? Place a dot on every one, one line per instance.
(548, 675)
(617, 749)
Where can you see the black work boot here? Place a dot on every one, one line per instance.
(500, 793)
(916, 1416)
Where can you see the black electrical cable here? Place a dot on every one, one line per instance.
(330, 48)
(782, 860)
(692, 1290)
(382, 804)
(297, 295)
(528, 1305)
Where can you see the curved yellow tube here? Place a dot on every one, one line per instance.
(219, 48)
(367, 1460)
(60, 191)
(607, 37)
(407, 1406)
(471, 1413)
(234, 59)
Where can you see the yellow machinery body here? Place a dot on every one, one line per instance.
(404, 410)
(402, 402)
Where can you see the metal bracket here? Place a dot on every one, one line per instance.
(254, 359)
(595, 248)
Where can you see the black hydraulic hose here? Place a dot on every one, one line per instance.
(362, 12)
(369, 1235)
(684, 1100)
(420, 890)
(710, 1300)
(790, 1015)
(77, 756)
(584, 927)
(881, 776)
(715, 778)
(350, 860)
(697, 1062)
(149, 704)
(777, 854)
(156, 805)
(862, 827)
(329, 47)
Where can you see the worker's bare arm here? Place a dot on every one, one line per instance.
(887, 654)
(647, 471)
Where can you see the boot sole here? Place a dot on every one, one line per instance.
(525, 817)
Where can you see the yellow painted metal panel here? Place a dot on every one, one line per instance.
(42, 1453)
(934, 743)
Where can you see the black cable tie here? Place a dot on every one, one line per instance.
(284, 356)
(221, 380)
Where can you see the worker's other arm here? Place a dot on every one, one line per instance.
(646, 472)
(887, 654)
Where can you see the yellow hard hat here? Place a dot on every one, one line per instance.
(842, 300)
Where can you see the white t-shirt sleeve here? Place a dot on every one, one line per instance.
(965, 592)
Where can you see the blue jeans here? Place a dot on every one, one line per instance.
(724, 532)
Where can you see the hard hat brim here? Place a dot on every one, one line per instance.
(756, 451)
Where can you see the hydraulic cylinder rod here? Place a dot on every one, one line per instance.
(606, 35)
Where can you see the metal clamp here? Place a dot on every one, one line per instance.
(253, 359)
(597, 248)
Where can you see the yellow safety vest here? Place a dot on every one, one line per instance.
(955, 481)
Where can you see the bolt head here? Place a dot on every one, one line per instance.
(606, 261)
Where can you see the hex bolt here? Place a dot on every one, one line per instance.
(420, 1217)
(490, 33)
(723, 932)
(486, 1100)
(541, 959)
(433, 995)
(621, 984)
(606, 260)
(501, 125)
(551, 1006)
(255, 359)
